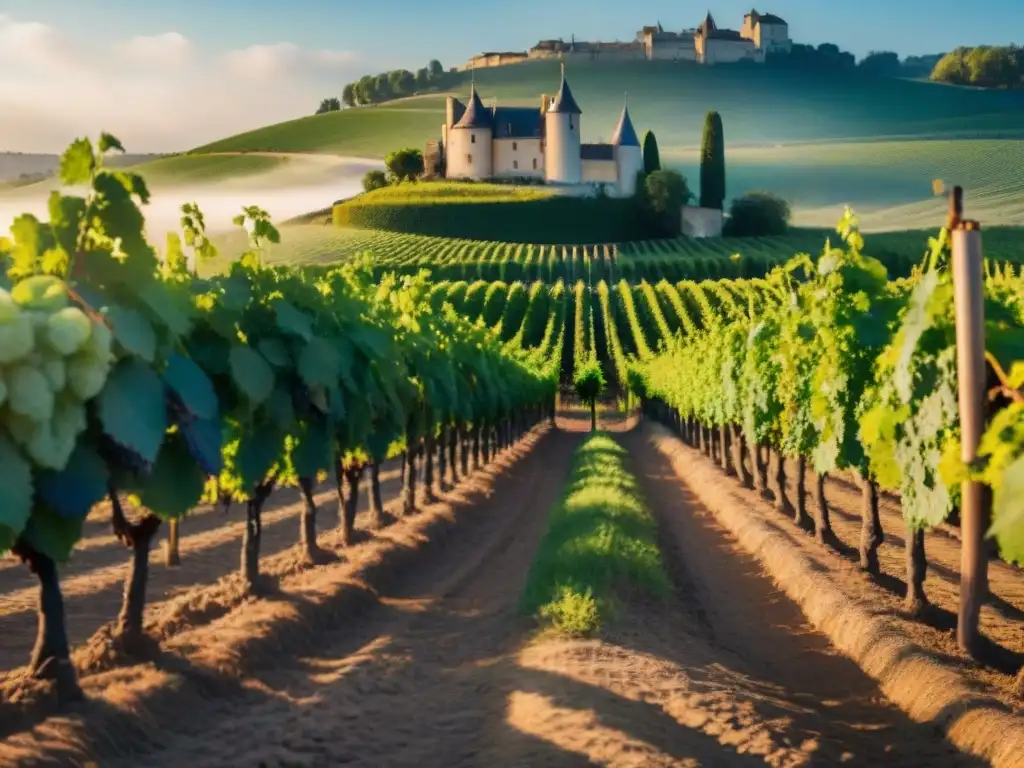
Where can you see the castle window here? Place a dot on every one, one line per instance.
(515, 146)
(570, 122)
(469, 158)
(535, 163)
(472, 138)
(515, 164)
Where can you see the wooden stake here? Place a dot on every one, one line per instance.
(968, 286)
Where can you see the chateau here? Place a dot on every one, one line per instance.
(542, 143)
(761, 34)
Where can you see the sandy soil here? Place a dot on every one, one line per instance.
(438, 667)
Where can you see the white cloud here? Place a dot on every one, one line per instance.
(169, 98)
(284, 59)
(170, 49)
(29, 45)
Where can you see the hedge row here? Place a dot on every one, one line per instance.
(556, 220)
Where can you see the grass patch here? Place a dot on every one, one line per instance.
(600, 546)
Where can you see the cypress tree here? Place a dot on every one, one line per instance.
(652, 160)
(712, 163)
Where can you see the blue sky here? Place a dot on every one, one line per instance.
(175, 73)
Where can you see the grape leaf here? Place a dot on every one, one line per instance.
(15, 488)
(1008, 512)
(53, 535)
(192, 385)
(165, 308)
(251, 373)
(73, 491)
(205, 438)
(77, 163)
(280, 409)
(275, 351)
(258, 449)
(133, 331)
(132, 408)
(312, 451)
(292, 320)
(176, 483)
(318, 363)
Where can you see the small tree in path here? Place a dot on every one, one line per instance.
(374, 180)
(589, 383)
(712, 163)
(652, 159)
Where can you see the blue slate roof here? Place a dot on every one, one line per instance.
(476, 114)
(597, 152)
(516, 122)
(625, 134)
(564, 101)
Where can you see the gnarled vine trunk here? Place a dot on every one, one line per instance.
(917, 569)
(353, 474)
(801, 516)
(871, 534)
(822, 519)
(723, 447)
(253, 535)
(476, 447)
(172, 549)
(409, 482)
(428, 492)
(376, 503)
(307, 520)
(739, 451)
(453, 453)
(139, 538)
(51, 656)
(760, 466)
(777, 464)
(442, 461)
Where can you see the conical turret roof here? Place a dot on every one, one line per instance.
(476, 114)
(625, 134)
(564, 101)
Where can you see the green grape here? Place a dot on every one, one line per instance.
(67, 330)
(29, 393)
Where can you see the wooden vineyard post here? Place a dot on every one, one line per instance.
(968, 287)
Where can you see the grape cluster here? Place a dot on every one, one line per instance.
(53, 359)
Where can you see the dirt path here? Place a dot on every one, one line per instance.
(756, 649)
(210, 546)
(442, 670)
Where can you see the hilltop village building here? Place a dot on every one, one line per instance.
(544, 143)
(761, 34)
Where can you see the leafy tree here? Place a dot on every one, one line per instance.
(332, 104)
(885, 63)
(367, 90)
(405, 164)
(652, 159)
(349, 95)
(757, 214)
(401, 82)
(374, 180)
(589, 383)
(422, 77)
(712, 163)
(666, 192)
(984, 66)
(436, 70)
(381, 87)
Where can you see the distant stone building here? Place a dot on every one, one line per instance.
(542, 143)
(493, 59)
(710, 44)
(594, 51)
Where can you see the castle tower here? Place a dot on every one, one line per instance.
(471, 142)
(629, 158)
(562, 161)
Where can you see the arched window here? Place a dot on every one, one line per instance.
(472, 138)
(535, 163)
(570, 122)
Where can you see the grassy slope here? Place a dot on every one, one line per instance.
(189, 169)
(757, 105)
(819, 141)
